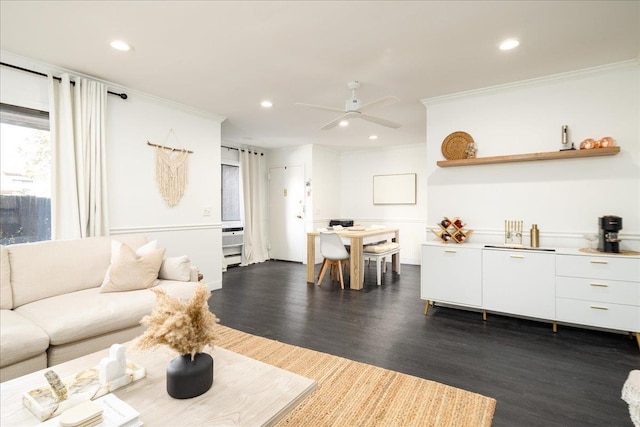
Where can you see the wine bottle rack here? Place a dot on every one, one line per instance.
(452, 230)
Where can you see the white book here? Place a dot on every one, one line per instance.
(117, 413)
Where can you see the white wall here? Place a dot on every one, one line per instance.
(135, 204)
(326, 186)
(356, 199)
(564, 197)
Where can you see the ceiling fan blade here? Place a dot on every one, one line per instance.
(320, 107)
(337, 121)
(380, 121)
(387, 100)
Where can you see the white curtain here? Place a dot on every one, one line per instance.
(252, 171)
(79, 184)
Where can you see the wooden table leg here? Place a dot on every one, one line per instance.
(356, 261)
(311, 258)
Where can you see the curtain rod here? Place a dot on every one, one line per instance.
(121, 95)
(240, 149)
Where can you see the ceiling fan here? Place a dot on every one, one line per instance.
(355, 109)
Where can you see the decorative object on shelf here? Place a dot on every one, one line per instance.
(452, 230)
(171, 170)
(186, 328)
(471, 151)
(534, 235)
(589, 143)
(513, 233)
(566, 145)
(606, 142)
(455, 145)
(81, 387)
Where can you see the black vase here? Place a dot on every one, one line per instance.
(188, 378)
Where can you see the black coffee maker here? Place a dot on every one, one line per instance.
(609, 227)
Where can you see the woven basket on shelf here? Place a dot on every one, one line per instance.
(454, 146)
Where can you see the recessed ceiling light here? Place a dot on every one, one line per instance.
(266, 104)
(121, 45)
(344, 123)
(509, 44)
(373, 136)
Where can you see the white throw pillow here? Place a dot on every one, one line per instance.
(131, 270)
(178, 268)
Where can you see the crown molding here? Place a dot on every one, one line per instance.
(553, 78)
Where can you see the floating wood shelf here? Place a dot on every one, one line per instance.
(552, 155)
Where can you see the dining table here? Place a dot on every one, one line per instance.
(356, 238)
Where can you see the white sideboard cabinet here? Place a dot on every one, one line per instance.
(519, 282)
(451, 274)
(562, 285)
(601, 291)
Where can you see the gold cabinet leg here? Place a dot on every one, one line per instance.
(638, 339)
(426, 307)
(484, 315)
(555, 327)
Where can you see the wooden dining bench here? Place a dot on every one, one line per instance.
(379, 252)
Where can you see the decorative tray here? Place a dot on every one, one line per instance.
(83, 386)
(454, 146)
(595, 251)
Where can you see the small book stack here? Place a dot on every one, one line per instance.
(107, 411)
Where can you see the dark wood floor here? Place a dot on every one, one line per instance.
(572, 378)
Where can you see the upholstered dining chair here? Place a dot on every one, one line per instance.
(335, 255)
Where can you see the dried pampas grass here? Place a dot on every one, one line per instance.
(186, 328)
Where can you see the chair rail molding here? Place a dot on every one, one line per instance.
(164, 228)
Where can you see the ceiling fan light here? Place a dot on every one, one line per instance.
(344, 123)
(509, 44)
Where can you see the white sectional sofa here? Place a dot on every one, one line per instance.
(51, 307)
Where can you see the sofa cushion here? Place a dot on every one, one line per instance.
(132, 270)
(381, 247)
(56, 267)
(177, 268)
(20, 338)
(89, 312)
(6, 296)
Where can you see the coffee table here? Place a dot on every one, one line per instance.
(245, 391)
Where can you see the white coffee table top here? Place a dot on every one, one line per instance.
(245, 392)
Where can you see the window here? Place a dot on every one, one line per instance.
(230, 192)
(25, 175)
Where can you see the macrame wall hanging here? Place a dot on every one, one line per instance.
(171, 170)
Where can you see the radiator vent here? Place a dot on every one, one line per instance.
(232, 237)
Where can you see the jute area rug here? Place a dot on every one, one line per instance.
(351, 393)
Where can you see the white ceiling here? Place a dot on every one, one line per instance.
(225, 57)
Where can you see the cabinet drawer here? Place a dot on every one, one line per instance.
(599, 267)
(604, 315)
(601, 290)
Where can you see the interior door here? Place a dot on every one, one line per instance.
(286, 213)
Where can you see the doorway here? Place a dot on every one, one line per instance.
(286, 213)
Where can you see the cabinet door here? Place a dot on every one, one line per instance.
(519, 282)
(452, 274)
